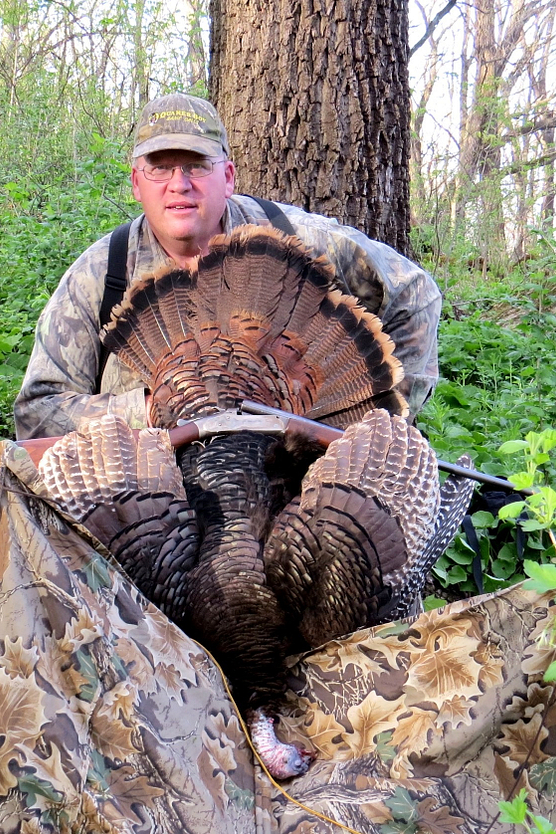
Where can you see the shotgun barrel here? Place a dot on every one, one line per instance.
(188, 431)
(329, 431)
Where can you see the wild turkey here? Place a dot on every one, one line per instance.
(271, 557)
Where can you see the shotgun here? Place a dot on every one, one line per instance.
(300, 422)
(252, 416)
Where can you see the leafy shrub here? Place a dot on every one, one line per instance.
(497, 384)
(42, 236)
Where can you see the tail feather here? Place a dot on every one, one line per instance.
(175, 291)
(282, 283)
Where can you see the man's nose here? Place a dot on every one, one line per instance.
(179, 180)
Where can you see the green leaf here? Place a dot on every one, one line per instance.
(457, 431)
(508, 553)
(515, 811)
(512, 510)
(456, 575)
(512, 446)
(542, 577)
(522, 480)
(431, 602)
(482, 519)
(502, 569)
(530, 525)
(462, 557)
(550, 674)
(548, 439)
(542, 825)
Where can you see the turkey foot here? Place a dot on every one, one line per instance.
(282, 760)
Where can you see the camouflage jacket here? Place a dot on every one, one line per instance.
(58, 391)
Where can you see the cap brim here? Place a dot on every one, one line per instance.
(178, 142)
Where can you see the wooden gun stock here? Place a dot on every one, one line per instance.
(38, 446)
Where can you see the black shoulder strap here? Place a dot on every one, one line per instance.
(115, 279)
(274, 214)
(114, 284)
(473, 541)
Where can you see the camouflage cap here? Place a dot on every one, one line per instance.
(180, 122)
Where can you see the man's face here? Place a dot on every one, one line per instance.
(183, 212)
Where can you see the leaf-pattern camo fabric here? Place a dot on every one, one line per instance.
(112, 720)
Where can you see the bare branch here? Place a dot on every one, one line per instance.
(432, 25)
(528, 165)
(546, 123)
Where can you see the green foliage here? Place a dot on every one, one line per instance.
(43, 233)
(540, 506)
(74, 79)
(492, 389)
(517, 812)
(496, 349)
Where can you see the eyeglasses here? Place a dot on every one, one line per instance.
(191, 170)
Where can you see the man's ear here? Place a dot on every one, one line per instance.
(230, 173)
(135, 175)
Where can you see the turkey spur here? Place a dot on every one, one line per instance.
(265, 546)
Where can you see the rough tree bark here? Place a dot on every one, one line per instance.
(315, 96)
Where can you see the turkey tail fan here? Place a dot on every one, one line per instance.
(257, 318)
(261, 272)
(356, 361)
(128, 493)
(366, 512)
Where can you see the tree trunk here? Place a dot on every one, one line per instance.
(315, 97)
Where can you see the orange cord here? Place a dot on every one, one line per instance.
(260, 761)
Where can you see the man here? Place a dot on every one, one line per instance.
(184, 180)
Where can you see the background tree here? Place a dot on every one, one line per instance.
(484, 105)
(315, 96)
